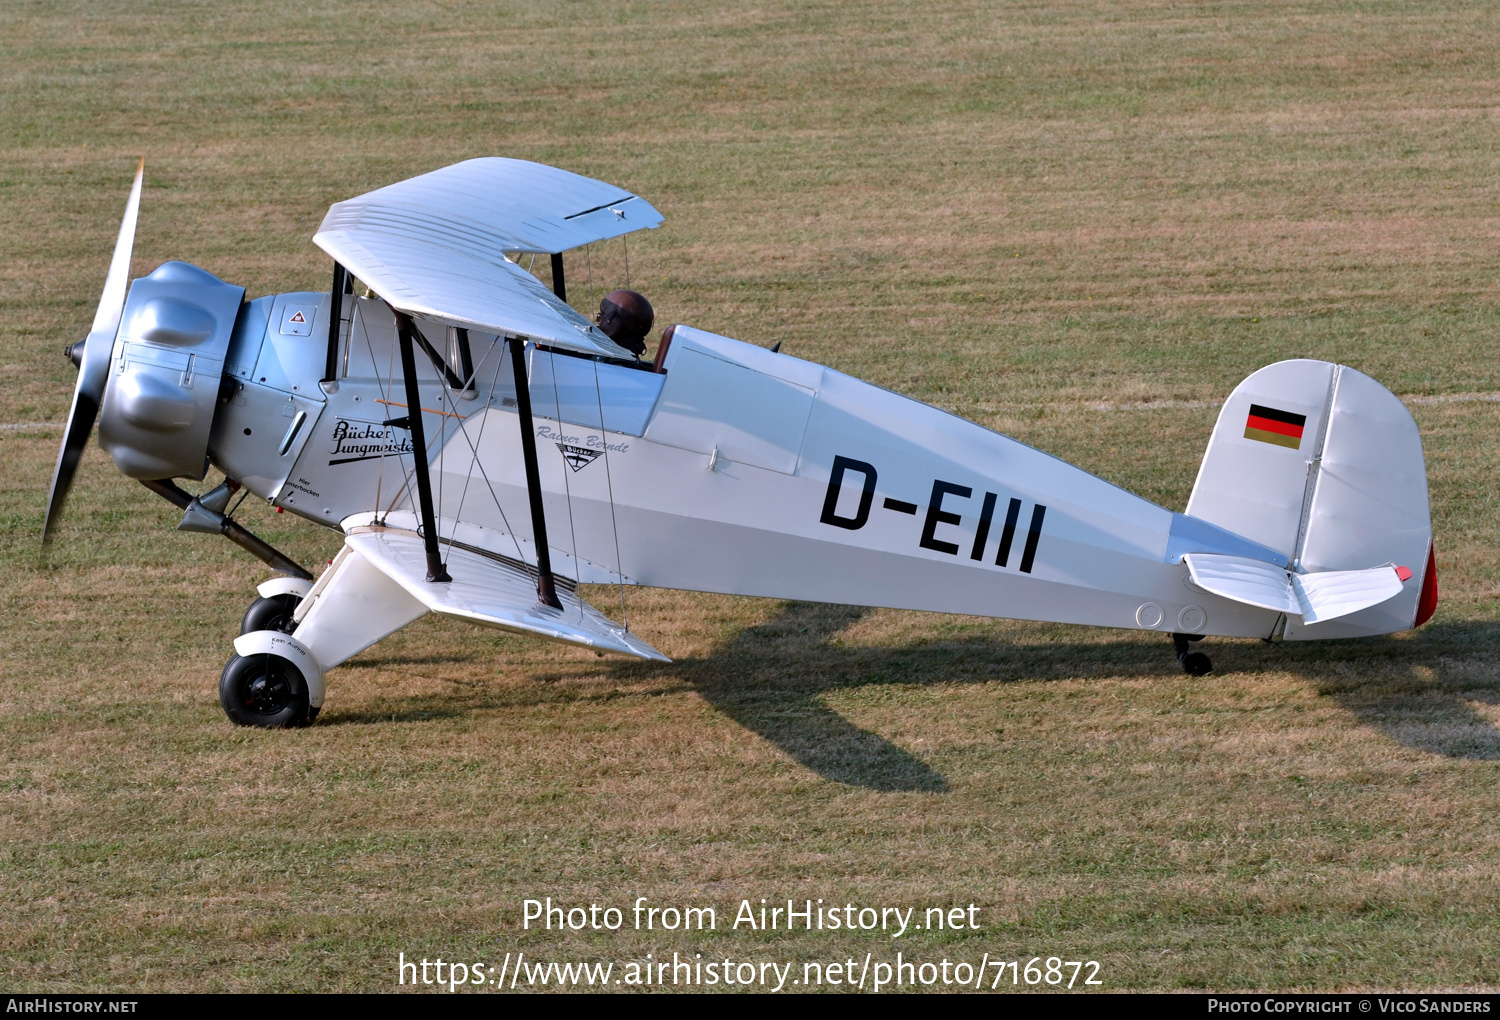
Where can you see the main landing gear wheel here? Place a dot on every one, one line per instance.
(266, 691)
(274, 613)
(1193, 663)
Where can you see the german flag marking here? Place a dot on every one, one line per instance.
(1279, 428)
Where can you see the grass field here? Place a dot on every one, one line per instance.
(1079, 224)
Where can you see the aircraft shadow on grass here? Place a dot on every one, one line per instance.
(773, 678)
(1419, 691)
(793, 650)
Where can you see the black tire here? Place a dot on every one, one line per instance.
(1196, 664)
(264, 690)
(274, 613)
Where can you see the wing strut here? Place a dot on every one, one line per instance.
(559, 282)
(546, 591)
(405, 330)
(335, 320)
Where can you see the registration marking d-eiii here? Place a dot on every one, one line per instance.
(937, 516)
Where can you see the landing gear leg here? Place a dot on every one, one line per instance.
(1193, 663)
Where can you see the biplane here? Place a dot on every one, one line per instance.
(484, 449)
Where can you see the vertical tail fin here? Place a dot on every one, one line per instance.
(1324, 465)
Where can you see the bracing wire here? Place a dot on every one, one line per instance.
(625, 240)
(385, 390)
(450, 398)
(494, 496)
(384, 395)
(407, 476)
(243, 493)
(474, 446)
(477, 463)
(349, 346)
(588, 255)
(483, 421)
(604, 438)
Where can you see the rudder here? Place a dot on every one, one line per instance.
(1324, 465)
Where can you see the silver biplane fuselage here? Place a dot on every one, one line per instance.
(720, 467)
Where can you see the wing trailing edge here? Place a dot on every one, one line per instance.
(494, 593)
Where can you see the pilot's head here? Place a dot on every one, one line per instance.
(625, 316)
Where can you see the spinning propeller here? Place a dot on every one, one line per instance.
(92, 358)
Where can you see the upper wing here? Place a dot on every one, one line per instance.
(436, 245)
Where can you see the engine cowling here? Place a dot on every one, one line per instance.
(165, 372)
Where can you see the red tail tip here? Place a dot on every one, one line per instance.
(1427, 603)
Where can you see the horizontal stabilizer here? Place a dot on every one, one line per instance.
(1252, 582)
(1315, 597)
(494, 593)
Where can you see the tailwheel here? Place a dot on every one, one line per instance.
(274, 613)
(265, 690)
(1193, 663)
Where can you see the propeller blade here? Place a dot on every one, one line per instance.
(75, 437)
(112, 301)
(93, 369)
